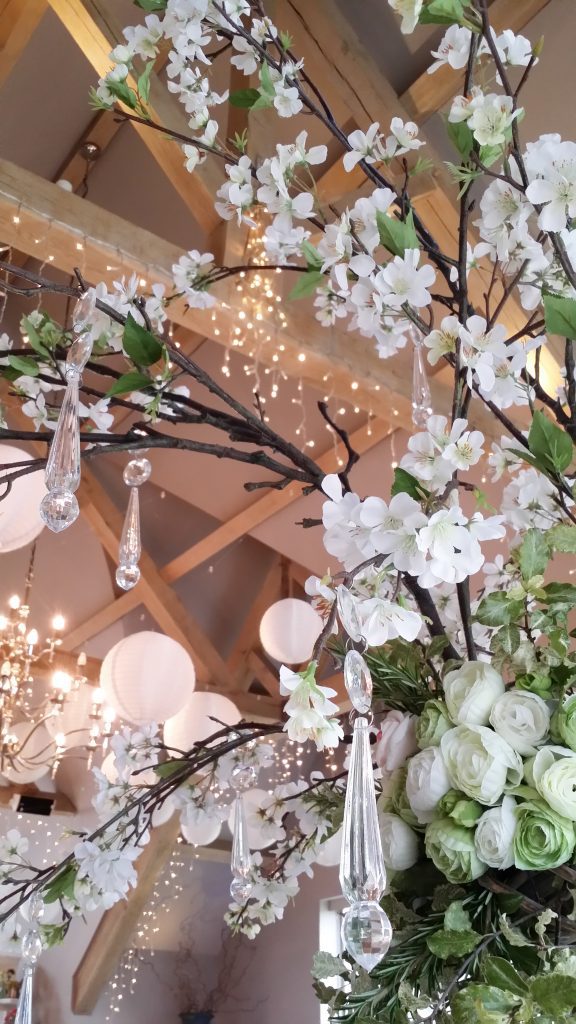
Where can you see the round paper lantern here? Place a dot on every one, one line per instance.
(35, 742)
(289, 630)
(203, 833)
(20, 521)
(193, 724)
(329, 852)
(256, 841)
(73, 720)
(147, 677)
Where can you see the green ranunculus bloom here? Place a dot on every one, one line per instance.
(566, 722)
(543, 839)
(459, 808)
(451, 848)
(433, 722)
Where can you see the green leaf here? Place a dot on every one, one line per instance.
(490, 154)
(445, 894)
(560, 594)
(447, 944)
(534, 554)
(144, 82)
(28, 367)
(34, 338)
(244, 98)
(405, 483)
(142, 347)
(461, 137)
(286, 40)
(456, 919)
(62, 885)
(122, 92)
(327, 966)
(562, 538)
(310, 253)
(482, 1004)
(512, 934)
(442, 12)
(266, 82)
(560, 315)
(498, 610)
(549, 443)
(397, 235)
(506, 640)
(129, 382)
(167, 768)
(307, 284)
(555, 993)
(152, 5)
(500, 973)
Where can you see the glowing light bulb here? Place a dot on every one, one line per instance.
(98, 695)
(60, 740)
(108, 714)
(32, 637)
(61, 681)
(3, 622)
(58, 623)
(14, 602)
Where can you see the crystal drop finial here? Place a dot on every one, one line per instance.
(24, 1011)
(362, 871)
(358, 682)
(59, 509)
(127, 576)
(83, 311)
(32, 946)
(348, 614)
(366, 933)
(243, 777)
(240, 889)
(130, 547)
(78, 355)
(137, 472)
(421, 395)
(241, 862)
(36, 907)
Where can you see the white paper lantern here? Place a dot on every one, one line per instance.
(35, 742)
(289, 629)
(193, 724)
(147, 677)
(203, 833)
(20, 521)
(329, 852)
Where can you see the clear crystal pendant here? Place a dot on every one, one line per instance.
(243, 778)
(59, 508)
(31, 952)
(366, 930)
(421, 396)
(136, 473)
(348, 614)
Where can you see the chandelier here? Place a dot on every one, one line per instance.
(44, 709)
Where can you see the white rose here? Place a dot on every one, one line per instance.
(399, 842)
(495, 834)
(554, 774)
(396, 740)
(470, 692)
(427, 781)
(480, 762)
(522, 719)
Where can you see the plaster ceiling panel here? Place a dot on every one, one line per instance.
(44, 101)
(127, 181)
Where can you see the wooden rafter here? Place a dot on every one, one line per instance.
(18, 20)
(92, 25)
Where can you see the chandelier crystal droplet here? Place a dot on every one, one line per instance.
(59, 507)
(31, 951)
(421, 395)
(136, 473)
(366, 930)
(243, 778)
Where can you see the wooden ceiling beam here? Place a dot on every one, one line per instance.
(18, 21)
(430, 93)
(92, 25)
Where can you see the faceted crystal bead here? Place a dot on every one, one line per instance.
(421, 396)
(240, 889)
(127, 576)
(241, 862)
(83, 311)
(32, 946)
(63, 465)
(36, 907)
(366, 933)
(137, 472)
(243, 777)
(24, 1011)
(362, 871)
(358, 682)
(78, 355)
(348, 614)
(59, 509)
(130, 547)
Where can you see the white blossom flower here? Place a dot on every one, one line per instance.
(384, 620)
(427, 781)
(393, 530)
(465, 450)
(453, 49)
(245, 57)
(287, 100)
(402, 281)
(443, 342)
(494, 835)
(553, 186)
(110, 872)
(13, 846)
(363, 215)
(364, 146)
(403, 138)
(410, 11)
(309, 707)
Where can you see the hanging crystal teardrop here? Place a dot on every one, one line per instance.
(137, 472)
(348, 614)
(59, 508)
(358, 682)
(130, 549)
(24, 1011)
(366, 933)
(362, 871)
(83, 312)
(421, 395)
(31, 951)
(241, 862)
